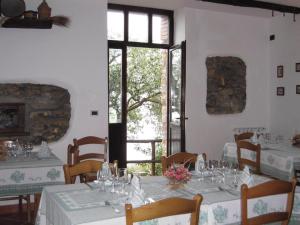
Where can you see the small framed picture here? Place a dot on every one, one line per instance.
(279, 71)
(280, 91)
(298, 89)
(297, 67)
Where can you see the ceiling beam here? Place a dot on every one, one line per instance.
(258, 4)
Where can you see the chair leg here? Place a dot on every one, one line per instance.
(20, 203)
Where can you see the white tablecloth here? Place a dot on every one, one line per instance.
(78, 204)
(28, 175)
(277, 160)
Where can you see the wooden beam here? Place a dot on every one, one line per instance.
(258, 4)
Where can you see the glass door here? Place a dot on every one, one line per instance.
(176, 103)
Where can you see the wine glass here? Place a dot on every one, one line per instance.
(123, 179)
(202, 167)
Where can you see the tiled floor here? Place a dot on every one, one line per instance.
(14, 219)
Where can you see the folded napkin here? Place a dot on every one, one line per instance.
(246, 178)
(254, 139)
(136, 183)
(44, 151)
(137, 194)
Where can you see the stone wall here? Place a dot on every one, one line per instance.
(226, 85)
(47, 109)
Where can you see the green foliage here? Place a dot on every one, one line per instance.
(144, 73)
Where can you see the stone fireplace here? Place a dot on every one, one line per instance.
(12, 119)
(34, 112)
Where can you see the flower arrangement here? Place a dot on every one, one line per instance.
(178, 174)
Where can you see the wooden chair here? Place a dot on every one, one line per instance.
(163, 208)
(84, 167)
(181, 157)
(20, 198)
(74, 155)
(243, 136)
(254, 165)
(297, 176)
(274, 187)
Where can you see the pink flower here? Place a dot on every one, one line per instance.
(179, 173)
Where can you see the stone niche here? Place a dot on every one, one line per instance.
(46, 115)
(226, 85)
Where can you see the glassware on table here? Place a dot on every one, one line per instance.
(27, 148)
(202, 167)
(122, 177)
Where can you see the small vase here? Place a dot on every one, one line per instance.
(44, 11)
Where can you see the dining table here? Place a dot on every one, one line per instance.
(90, 204)
(278, 160)
(28, 174)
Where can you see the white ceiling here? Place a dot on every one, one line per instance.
(175, 4)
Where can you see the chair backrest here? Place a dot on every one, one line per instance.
(243, 136)
(255, 163)
(273, 187)
(163, 208)
(180, 157)
(87, 166)
(74, 154)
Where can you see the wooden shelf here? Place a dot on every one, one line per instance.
(27, 23)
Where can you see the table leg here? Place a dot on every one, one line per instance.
(37, 198)
(28, 206)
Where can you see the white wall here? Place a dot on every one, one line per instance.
(220, 34)
(285, 50)
(74, 58)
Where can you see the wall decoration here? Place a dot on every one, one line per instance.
(297, 67)
(298, 89)
(279, 71)
(280, 91)
(226, 85)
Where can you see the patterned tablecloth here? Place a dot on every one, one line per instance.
(277, 160)
(80, 204)
(28, 175)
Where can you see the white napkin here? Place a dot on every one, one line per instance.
(44, 151)
(246, 178)
(137, 194)
(136, 183)
(254, 138)
(199, 163)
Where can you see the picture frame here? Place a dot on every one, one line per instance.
(298, 89)
(297, 67)
(280, 71)
(280, 91)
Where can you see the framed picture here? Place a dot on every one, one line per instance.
(280, 91)
(297, 67)
(280, 71)
(298, 89)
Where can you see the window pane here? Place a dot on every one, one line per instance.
(115, 85)
(138, 27)
(115, 25)
(160, 29)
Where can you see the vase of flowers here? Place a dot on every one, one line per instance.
(177, 175)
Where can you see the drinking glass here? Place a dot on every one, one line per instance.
(202, 167)
(123, 179)
(27, 148)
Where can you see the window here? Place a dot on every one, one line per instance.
(140, 27)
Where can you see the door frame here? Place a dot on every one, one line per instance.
(181, 46)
